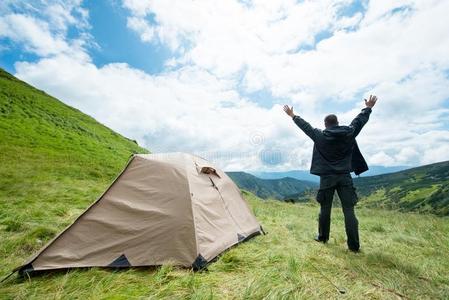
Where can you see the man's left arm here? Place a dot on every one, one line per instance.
(363, 117)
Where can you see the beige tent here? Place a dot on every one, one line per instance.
(171, 208)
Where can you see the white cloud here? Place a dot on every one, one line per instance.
(146, 32)
(223, 50)
(406, 155)
(33, 34)
(41, 27)
(177, 111)
(381, 158)
(229, 36)
(63, 14)
(436, 154)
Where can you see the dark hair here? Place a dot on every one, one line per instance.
(330, 120)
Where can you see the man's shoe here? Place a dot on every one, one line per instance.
(320, 240)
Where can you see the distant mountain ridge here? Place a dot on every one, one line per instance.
(286, 188)
(296, 174)
(305, 174)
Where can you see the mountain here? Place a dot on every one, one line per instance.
(55, 161)
(379, 170)
(296, 174)
(282, 189)
(305, 174)
(421, 189)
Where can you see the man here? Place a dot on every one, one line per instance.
(335, 156)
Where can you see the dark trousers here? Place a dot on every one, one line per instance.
(348, 197)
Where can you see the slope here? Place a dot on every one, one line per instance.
(54, 161)
(283, 189)
(421, 189)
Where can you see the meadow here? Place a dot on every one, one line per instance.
(404, 255)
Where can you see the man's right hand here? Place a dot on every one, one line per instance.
(371, 102)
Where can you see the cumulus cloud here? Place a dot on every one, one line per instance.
(309, 54)
(381, 158)
(176, 111)
(266, 39)
(41, 27)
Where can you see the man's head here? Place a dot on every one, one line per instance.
(330, 120)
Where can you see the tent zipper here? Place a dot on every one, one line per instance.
(225, 206)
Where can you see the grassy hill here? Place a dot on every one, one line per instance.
(55, 161)
(422, 189)
(283, 189)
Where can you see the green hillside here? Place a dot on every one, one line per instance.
(283, 188)
(423, 189)
(55, 161)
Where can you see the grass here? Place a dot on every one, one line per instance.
(402, 254)
(55, 161)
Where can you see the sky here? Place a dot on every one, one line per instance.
(211, 77)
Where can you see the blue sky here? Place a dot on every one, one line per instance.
(116, 43)
(211, 77)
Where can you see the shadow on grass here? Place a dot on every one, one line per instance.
(380, 261)
(385, 260)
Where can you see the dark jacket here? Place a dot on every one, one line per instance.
(335, 149)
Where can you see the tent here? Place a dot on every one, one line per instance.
(168, 208)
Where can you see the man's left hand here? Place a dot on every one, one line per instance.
(371, 102)
(289, 111)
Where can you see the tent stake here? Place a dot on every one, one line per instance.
(4, 279)
(339, 289)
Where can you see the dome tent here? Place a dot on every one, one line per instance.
(166, 208)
